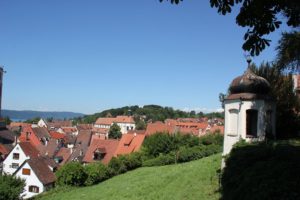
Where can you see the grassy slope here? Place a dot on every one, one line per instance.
(193, 180)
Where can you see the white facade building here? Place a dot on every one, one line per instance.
(249, 111)
(42, 123)
(21, 152)
(126, 123)
(37, 175)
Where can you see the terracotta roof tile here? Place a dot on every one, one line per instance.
(56, 135)
(29, 150)
(130, 143)
(153, 128)
(41, 169)
(111, 120)
(41, 132)
(109, 145)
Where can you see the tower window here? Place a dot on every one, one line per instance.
(233, 122)
(251, 123)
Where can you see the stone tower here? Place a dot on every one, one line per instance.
(249, 110)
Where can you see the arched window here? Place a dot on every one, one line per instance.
(233, 122)
(251, 123)
(33, 188)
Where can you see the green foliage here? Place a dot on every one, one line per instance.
(184, 154)
(148, 113)
(193, 181)
(215, 138)
(160, 160)
(140, 125)
(262, 171)
(287, 103)
(10, 187)
(159, 143)
(72, 174)
(115, 132)
(33, 120)
(96, 173)
(288, 56)
(124, 163)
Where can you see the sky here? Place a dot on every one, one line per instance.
(88, 56)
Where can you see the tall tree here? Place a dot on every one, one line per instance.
(287, 103)
(288, 51)
(114, 131)
(260, 16)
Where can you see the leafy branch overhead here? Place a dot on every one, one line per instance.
(260, 16)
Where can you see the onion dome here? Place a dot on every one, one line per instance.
(249, 83)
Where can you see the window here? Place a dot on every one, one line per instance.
(34, 189)
(251, 123)
(25, 171)
(233, 122)
(15, 165)
(16, 156)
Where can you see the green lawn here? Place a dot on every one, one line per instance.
(193, 180)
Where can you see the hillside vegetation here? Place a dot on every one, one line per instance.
(147, 112)
(193, 180)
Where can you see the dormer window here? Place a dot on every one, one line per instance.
(99, 153)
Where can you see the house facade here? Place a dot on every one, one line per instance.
(126, 123)
(37, 175)
(21, 152)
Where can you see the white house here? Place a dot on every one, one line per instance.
(21, 152)
(249, 111)
(42, 123)
(126, 123)
(37, 175)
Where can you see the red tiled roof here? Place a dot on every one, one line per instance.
(29, 149)
(153, 128)
(130, 143)
(65, 153)
(84, 126)
(59, 123)
(42, 171)
(69, 129)
(56, 135)
(111, 120)
(217, 128)
(18, 124)
(109, 145)
(100, 130)
(3, 150)
(105, 121)
(50, 149)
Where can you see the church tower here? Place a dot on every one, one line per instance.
(249, 110)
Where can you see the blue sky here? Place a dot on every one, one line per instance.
(87, 56)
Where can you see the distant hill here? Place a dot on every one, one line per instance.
(29, 114)
(148, 112)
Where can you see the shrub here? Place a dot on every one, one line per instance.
(160, 160)
(158, 143)
(124, 163)
(212, 139)
(71, 174)
(10, 187)
(96, 172)
(262, 171)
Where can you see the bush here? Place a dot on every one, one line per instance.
(158, 143)
(212, 139)
(10, 187)
(262, 171)
(71, 174)
(160, 160)
(124, 163)
(96, 172)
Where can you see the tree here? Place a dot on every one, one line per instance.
(71, 174)
(287, 103)
(140, 125)
(288, 51)
(7, 120)
(10, 187)
(115, 131)
(261, 18)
